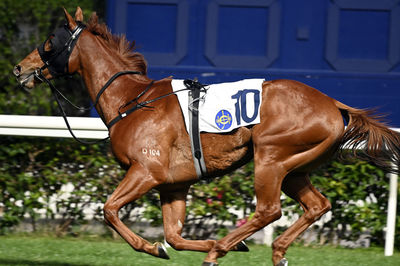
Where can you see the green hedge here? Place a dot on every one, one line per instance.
(34, 169)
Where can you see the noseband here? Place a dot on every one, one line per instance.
(62, 43)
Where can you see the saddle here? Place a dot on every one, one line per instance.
(216, 108)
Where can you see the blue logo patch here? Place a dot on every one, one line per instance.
(223, 119)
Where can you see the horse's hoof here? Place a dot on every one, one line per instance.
(242, 247)
(162, 251)
(283, 262)
(209, 264)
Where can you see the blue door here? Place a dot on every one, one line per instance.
(348, 49)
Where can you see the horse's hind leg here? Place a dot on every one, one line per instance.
(268, 179)
(298, 187)
(174, 211)
(136, 183)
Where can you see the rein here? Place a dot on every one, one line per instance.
(140, 105)
(56, 93)
(121, 115)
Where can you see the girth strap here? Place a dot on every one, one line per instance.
(194, 131)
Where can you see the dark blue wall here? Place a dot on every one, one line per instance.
(348, 49)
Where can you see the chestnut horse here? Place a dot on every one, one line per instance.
(300, 128)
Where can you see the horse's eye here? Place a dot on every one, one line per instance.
(49, 45)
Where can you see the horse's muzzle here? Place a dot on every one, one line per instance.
(25, 80)
(17, 71)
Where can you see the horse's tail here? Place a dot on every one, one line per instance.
(367, 131)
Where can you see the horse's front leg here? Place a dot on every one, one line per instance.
(136, 183)
(174, 212)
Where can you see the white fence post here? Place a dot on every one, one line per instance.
(391, 216)
(268, 235)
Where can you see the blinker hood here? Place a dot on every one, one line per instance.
(63, 42)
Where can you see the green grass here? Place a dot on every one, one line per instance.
(48, 251)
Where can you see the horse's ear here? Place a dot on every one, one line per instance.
(70, 21)
(78, 14)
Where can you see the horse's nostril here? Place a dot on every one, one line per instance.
(17, 70)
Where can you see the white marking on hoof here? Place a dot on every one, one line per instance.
(162, 251)
(283, 262)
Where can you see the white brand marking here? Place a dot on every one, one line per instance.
(151, 152)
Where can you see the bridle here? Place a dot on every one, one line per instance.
(56, 61)
(62, 42)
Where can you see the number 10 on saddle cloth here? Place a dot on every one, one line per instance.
(224, 107)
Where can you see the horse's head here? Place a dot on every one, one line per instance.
(54, 57)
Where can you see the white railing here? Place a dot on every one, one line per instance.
(52, 126)
(94, 128)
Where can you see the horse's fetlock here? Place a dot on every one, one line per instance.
(221, 249)
(174, 240)
(279, 244)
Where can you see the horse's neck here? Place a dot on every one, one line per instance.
(98, 66)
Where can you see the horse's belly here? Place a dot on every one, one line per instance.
(222, 152)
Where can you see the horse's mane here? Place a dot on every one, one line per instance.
(119, 43)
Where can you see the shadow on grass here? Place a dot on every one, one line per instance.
(37, 263)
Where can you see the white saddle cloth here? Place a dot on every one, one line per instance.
(225, 106)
